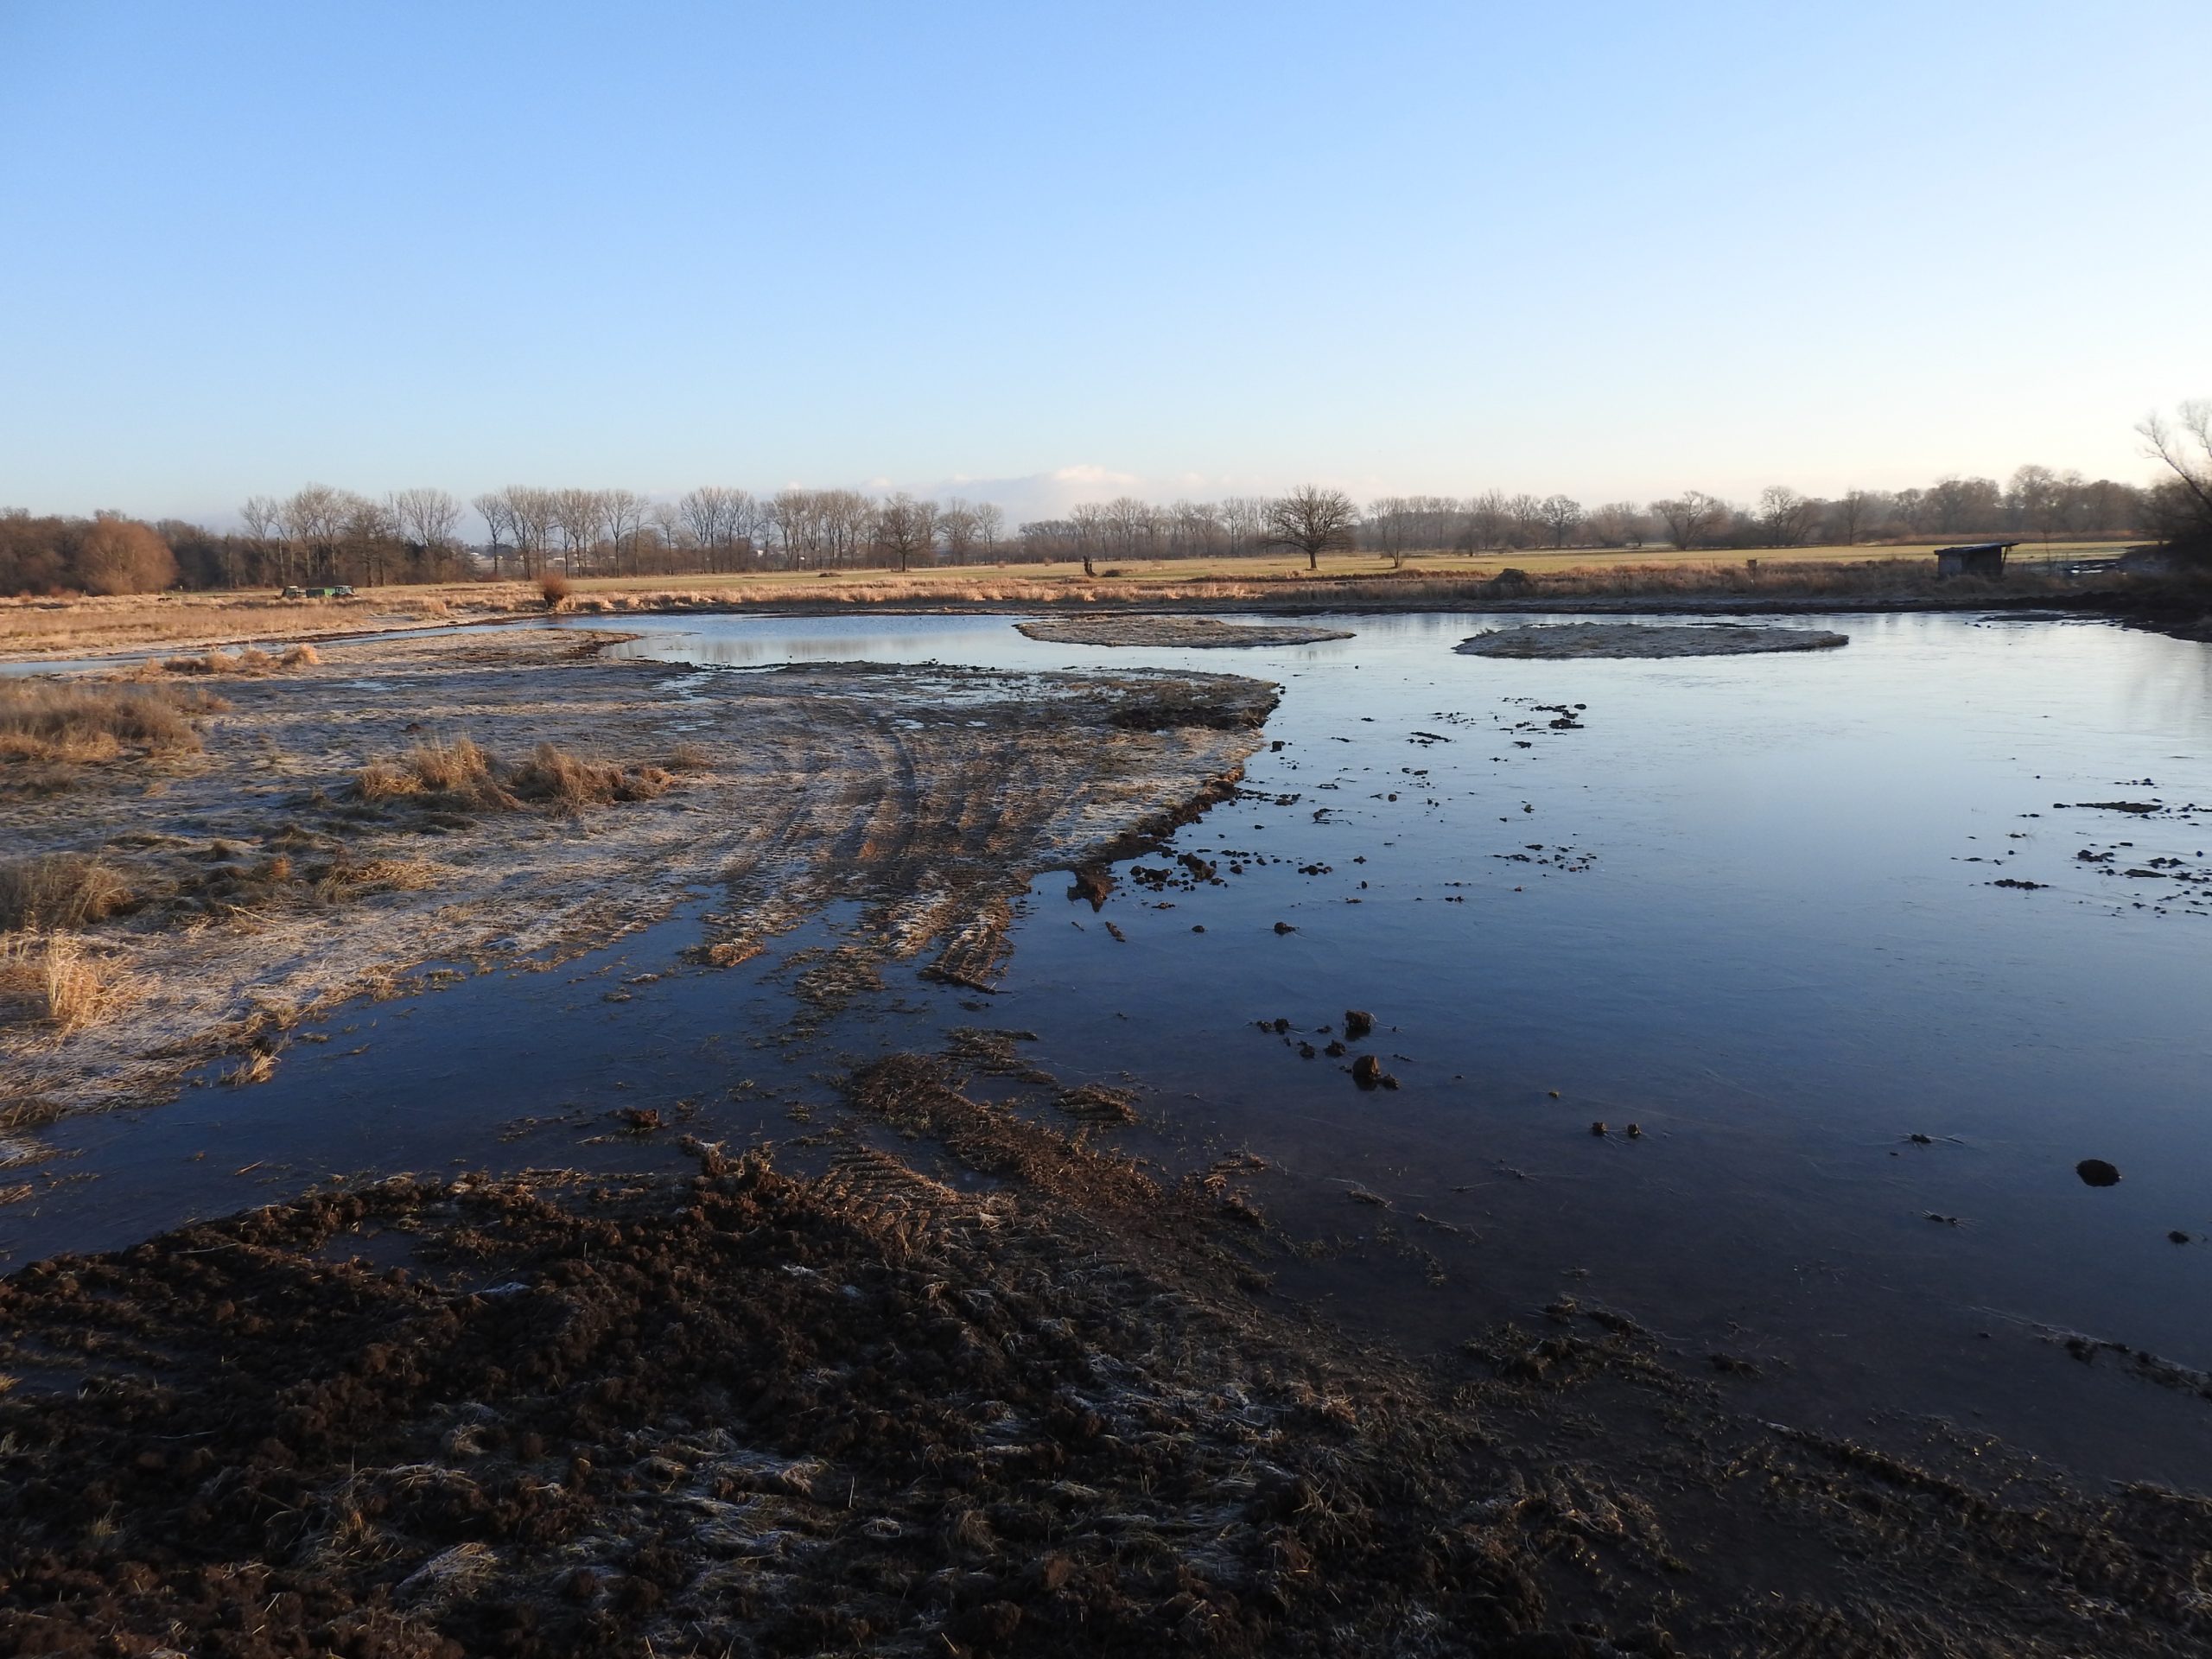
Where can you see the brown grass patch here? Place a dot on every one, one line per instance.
(557, 777)
(553, 588)
(54, 980)
(325, 876)
(60, 890)
(65, 723)
(254, 1068)
(461, 775)
(251, 660)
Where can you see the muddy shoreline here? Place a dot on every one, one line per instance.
(862, 1411)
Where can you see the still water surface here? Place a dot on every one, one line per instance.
(1752, 922)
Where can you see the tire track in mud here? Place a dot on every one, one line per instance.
(928, 797)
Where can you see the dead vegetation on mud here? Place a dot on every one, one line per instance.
(240, 863)
(866, 1412)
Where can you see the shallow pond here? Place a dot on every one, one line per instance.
(1743, 904)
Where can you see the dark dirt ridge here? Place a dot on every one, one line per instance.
(861, 1412)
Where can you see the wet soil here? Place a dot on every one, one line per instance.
(1586, 639)
(1204, 632)
(267, 887)
(861, 1410)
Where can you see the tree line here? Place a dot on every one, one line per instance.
(321, 535)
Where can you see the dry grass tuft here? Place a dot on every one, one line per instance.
(689, 757)
(54, 980)
(459, 774)
(555, 778)
(553, 588)
(60, 890)
(254, 1068)
(251, 660)
(458, 770)
(68, 723)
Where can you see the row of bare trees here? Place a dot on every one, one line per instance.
(716, 528)
(104, 554)
(320, 534)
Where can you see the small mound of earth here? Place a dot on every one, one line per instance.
(1578, 639)
(1203, 631)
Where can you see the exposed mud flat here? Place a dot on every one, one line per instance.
(265, 884)
(1580, 639)
(1202, 632)
(864, 1412)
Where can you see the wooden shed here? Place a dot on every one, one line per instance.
(1974, 559)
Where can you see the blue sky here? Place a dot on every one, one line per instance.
(1041, 252)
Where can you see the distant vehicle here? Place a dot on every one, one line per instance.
(293, 590)
(341, 591)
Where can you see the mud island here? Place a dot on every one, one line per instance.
(1569, 641)
(1202, 632)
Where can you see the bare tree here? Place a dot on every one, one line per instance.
(1692, 518)
(1853, 514)
(1787, 517)
(1560, 514)
(622, 514)
(956, 522)
(1388, 528)
(903, 528)
(2182, 503)
(1091, 533)
(498, 514)
(990, 526)
(1245, 522)
(313, 517)
(535, 513)
(428, 517)
(1312, 521)
(576, 515)
(1486, 521)
(1619, 524)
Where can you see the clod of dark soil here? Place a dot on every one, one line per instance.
(2095, 1172)
(1094, 885)
(1357, 1023)
(1367, 1072)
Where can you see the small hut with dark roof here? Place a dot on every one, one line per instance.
(1974, 559)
